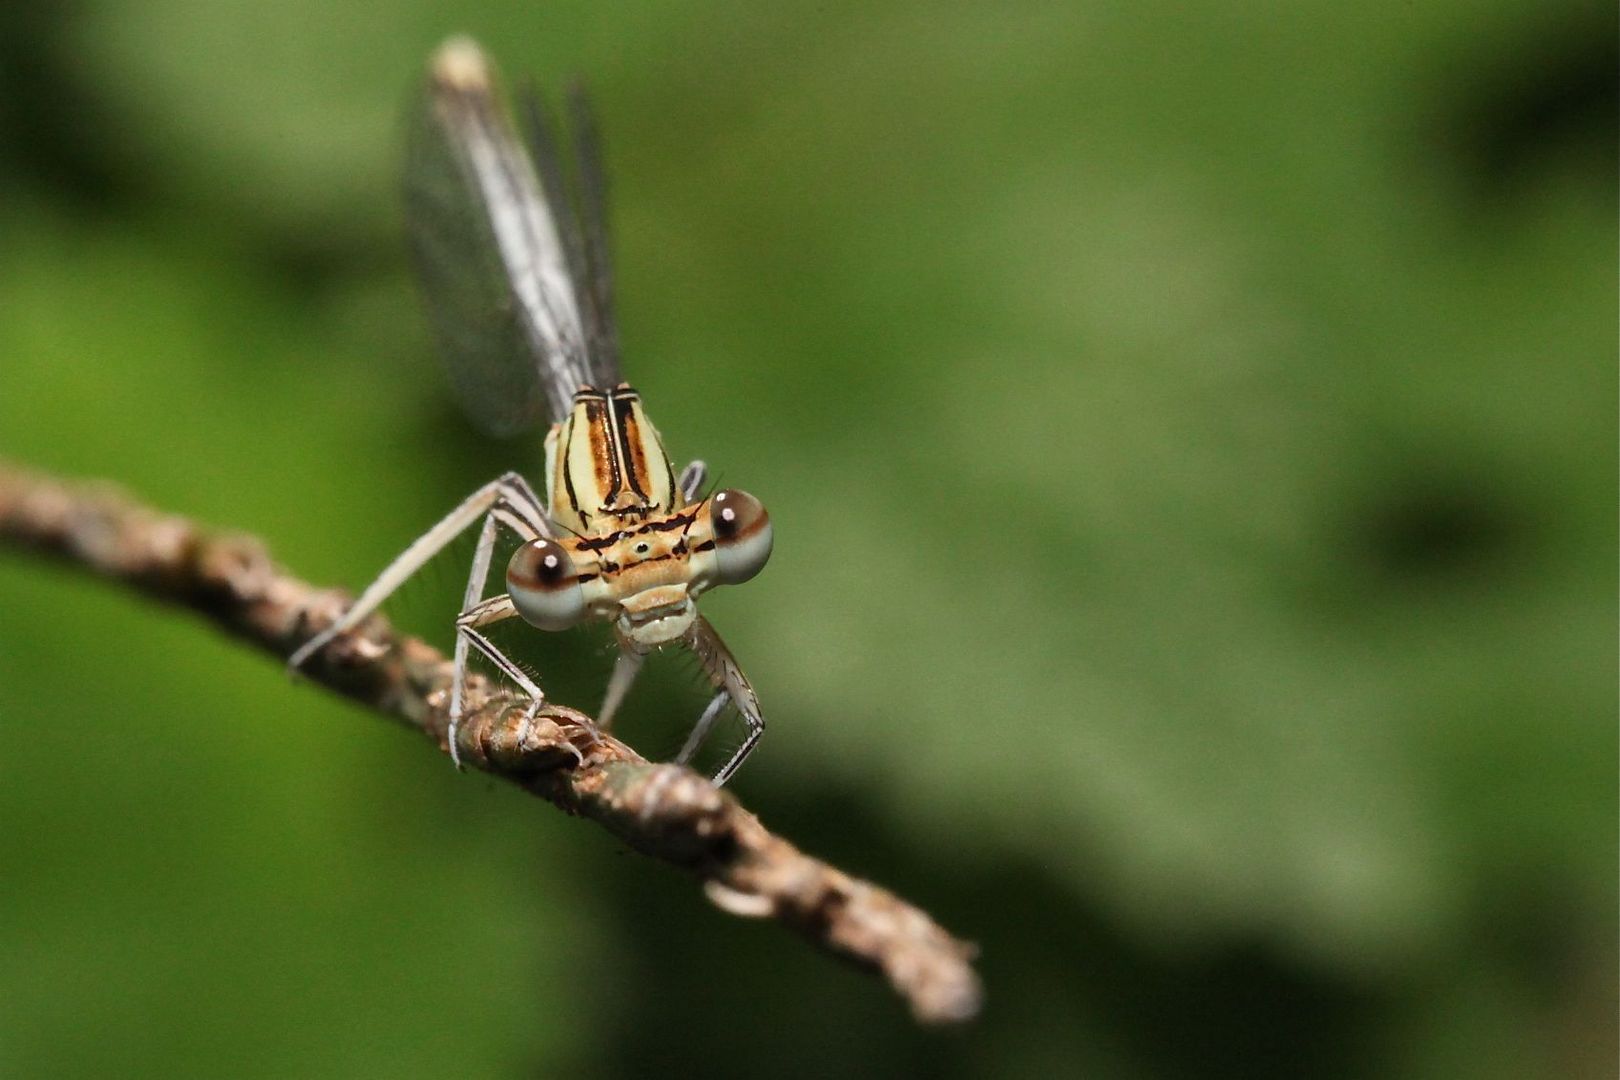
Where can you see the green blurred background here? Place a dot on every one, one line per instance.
(1190, 432)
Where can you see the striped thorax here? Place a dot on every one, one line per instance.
(638, 554)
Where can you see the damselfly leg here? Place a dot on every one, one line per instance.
(734, 689)
(691, 481)
(507, 500)
(626, 666)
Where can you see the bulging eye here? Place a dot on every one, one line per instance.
(544, 586)
(742, 535)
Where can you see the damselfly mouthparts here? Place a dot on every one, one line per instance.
(514, 264)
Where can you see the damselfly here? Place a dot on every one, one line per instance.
(513, 258)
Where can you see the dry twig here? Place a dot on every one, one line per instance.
(665, 811)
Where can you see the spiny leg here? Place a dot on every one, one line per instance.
(477, 581)
(625, 669)
(700, 730)
(493, 610)
(508, 496)
(721, 668)
(480, 614)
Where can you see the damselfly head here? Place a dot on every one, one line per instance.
(645, 577)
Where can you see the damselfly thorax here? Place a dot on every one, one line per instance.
(513, 259)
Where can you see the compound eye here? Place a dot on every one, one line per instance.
(742, 535)
(544, 585)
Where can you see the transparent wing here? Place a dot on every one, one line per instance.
(582, 215)
(498, 280)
